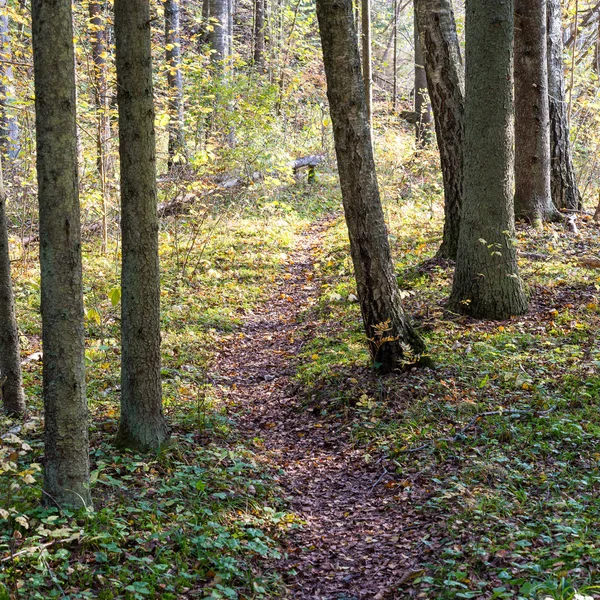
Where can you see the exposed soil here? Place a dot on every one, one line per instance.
(365, 527)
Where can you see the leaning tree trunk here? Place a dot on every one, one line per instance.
(446, 84)
(11, 385)
(142, 425)
(392, 339)
(175, 82)
(9, 126)
(66, 451)
(486, 280)
(367, 59)
(565, 194)
(533, 199)
(422, 107)
(219, 38)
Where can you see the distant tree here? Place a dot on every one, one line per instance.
(486, 280)
(533, 199)
(367, 59)
(445, 81)
(97, 26)
(376, 282)
(219, 36)
(565, 194)
(66, 464)
(174, 81)
(9, 126)
(142, 425)
(11, 385)
(423, 114)
(259, 34)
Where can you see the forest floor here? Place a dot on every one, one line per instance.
(296, 470)
(355, 540)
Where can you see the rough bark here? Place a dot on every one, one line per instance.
(565, 194)
(259, 35)
(367, 60)
(175, 82)
(422, 106)
(533, 199)
(142, 425)
(219, 38)
(98, 42)
(11, 385)
(66, 467)
(9, 126)
(486, 280)
(446, 84)
(376, 283)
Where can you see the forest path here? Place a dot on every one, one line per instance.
(361, 538)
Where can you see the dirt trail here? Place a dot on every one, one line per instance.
(364, 535)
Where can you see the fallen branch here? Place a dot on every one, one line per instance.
(591, 263)
(476, 419)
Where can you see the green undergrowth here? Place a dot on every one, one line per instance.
(201, 520)
(514, 494)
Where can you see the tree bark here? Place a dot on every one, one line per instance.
(11, 384)
(142, 426)
(565, 194)
(374, 270)
(533, 199)
(422, 106)
(9, 126)
(219, 38)
(175, 82)
(367, 60)
(445, 81)
(486, 280)
(259, 35)
(66, 468)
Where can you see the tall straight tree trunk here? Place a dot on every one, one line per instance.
(533, 199)
(142, 425)
(259, 35)
(423, 114)
(98, 41)
(174, 81)
(66, 468)
(11, 384)
(391, 338)
(446, 84)
(486, 280)
(219, 37)
(9, 126)
(367, 60)
(565, 194)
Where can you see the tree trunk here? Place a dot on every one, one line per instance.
(392, 340)
(11, 385)
(66, 472)
(142, 426)
(367, 60)
(9, 126)
(486, 281)
(98, 41)
(445, 81)
(259, 35)
(422, 106)
(533, 199)
(565, 194)
(219, 37)
(175, 82)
